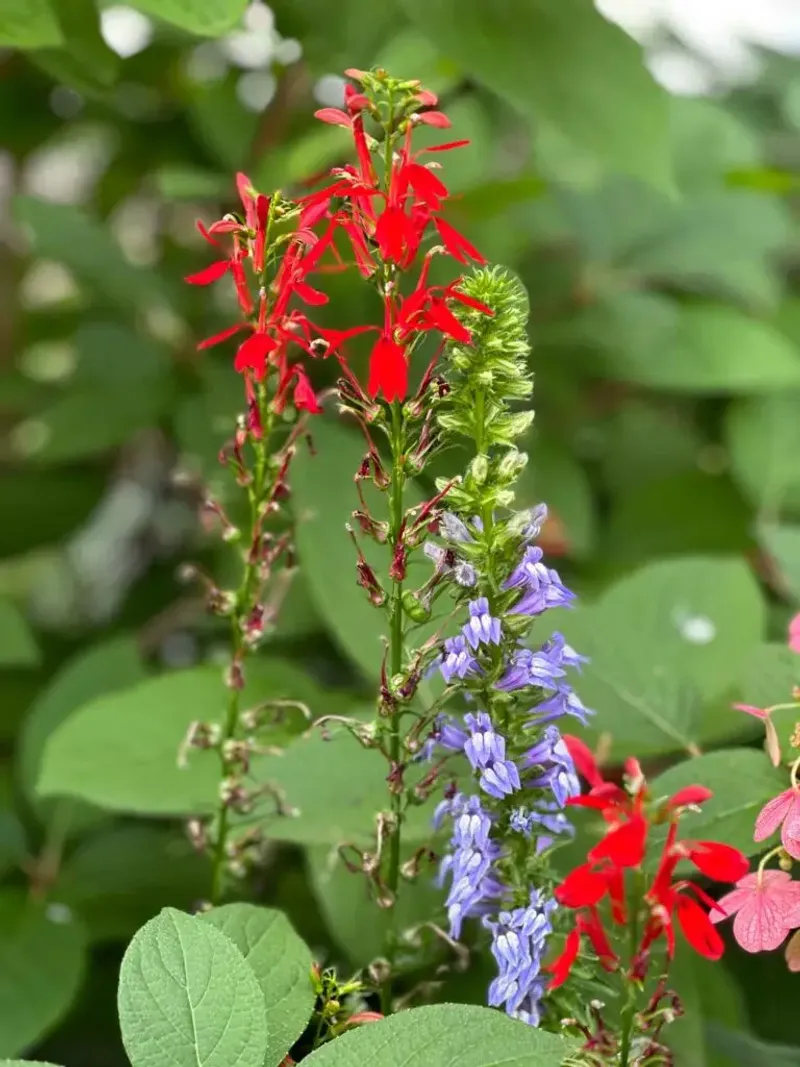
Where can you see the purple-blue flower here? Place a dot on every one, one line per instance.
(486, 751)
(546, 816)
(457, 660)
(565, 701)
(529, 668)
(557, 649)
(557, 771)
(542, 587)
(519, 938)
(481, 627)
(470, 863)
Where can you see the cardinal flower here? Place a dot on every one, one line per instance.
(766, 906)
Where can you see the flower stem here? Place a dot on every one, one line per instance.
(629, 1011)
(245, 598)
(396, 644)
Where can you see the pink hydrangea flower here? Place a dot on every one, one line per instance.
(794, 633)
(783, 811)
(766, 906)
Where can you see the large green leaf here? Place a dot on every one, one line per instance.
(84, 61)
(763, 435)
(207, 18)
(744, 1050)
(460, 1034)
(41, 969)
(707, 993)
(563, 64)
(103, 668)
(742, 781)
(187, 997)
(28, 24)
(661, 642)
(120, 751)
(558, 478)
(17, 645)
(24, 1063)
(282, 964)
(708, 142)
(118, 878)
(325, 498)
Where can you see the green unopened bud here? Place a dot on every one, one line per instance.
(512, 465)
(479, 470)
(414, 608)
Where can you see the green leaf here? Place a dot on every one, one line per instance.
(84, 61)
(702, 348)
(187, 997)
(708, 142)
(358, 926)
(745, 1050)
(641, 443)
(17, 645)
(28, 24)
(768, 676)
(207, 18)
(462, 1034)
(763, 437)
(783, 544)
(25, 1063)
(661, 642)
(281, 962)
(325, 498)
(352, 36)
(691, 512)
(335, 786)
(563, 64)
(118, 878)
(708, 994)
(84, 244)
(88, 421)
(120, 751)
(719, 243)
(41, 969)
(742, 781)
(102, 668)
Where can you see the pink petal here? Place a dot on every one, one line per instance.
(794, 634)
(772, 815)
(750, 709)
(730, 904)
(790, 834)
(759, 925)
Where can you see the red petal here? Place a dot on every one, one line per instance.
(434, 118)
(218, 338)
(623, 846)
(593, 929)
(447, 147)
(253, 353)
(425, 184)
(443, 319)
(333, 116)
(305, 399)
(698, 929)
(722, 862)
(582, 887)
(212, 273)
(309, 295)
(561, 966)
(690, 794)
(388, 370)
(456, 244)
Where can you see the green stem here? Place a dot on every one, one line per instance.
(396, 644)
(257, 493)
(629, 1011)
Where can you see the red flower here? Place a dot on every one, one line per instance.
(622, 846)
(388, 370)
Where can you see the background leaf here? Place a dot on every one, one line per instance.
(33, 997)
(209, 18)
(17, 644)
(28, 24)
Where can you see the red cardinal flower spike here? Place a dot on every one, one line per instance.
(616, 868)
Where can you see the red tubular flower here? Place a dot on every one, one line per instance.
(698, 929)
(388, 370)
(581, 888)
(561, 966)
(623, 845)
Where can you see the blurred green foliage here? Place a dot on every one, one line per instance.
(658, 238)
